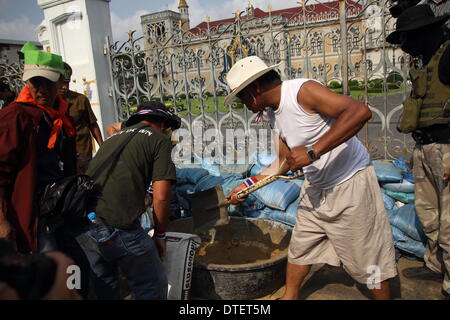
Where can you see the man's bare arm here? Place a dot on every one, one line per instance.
(95, 130)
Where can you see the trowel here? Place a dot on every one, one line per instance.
(209, 207)
(205, 212)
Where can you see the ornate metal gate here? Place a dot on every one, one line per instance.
(339, 43)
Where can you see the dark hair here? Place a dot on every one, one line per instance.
(10, 94)
(4, 86)
(269, 77)
(68, 70)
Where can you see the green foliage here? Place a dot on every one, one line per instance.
(335, 84)
(394, 77)
(376, 83)
(353, 83)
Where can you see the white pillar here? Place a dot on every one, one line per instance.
(77, 30)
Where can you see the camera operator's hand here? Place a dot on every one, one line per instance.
(59, 290)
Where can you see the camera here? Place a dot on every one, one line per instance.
(401, 5)
(31, 276)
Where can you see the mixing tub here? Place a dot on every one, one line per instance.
(245, 259)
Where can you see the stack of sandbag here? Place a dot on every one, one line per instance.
(277, 201)
(397, 186)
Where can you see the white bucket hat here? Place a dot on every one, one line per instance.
(244, 72)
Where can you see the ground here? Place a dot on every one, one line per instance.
(332, 283)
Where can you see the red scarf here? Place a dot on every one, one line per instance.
(60, 118)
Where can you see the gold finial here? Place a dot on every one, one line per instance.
(269, 7)
(238, 13)
(208, 18)
(182, 4)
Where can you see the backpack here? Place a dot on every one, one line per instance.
(67, 200)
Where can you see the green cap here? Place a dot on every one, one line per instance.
(28, 46)
(41, 64)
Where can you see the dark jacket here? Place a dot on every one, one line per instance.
(19, 127)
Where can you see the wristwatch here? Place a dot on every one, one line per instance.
(311, 154)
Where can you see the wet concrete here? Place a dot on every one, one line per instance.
(331, 283)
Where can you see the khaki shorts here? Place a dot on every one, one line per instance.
(347, 225)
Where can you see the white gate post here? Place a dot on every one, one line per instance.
(77, 30)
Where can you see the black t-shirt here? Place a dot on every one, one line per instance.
(146, 158)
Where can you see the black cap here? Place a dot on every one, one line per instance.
(414, 18)
(154, 110)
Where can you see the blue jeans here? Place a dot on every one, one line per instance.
(136, 255)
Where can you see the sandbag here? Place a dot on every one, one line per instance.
(185, 189)
(404, 186)
(278, 194)
(406, 220)
(299, 182)
(240, 167)
(407, 244)
(252, 202)
(389, 202)
(386, 171)
(208, 182)
(400, 196)
(190, 175)
(210, 165)
(261, 160)
(406, 172)
(179, 263)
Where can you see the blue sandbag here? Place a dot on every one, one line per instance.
(406, 172)
(259, 214)
(404, 186)
(185, 189)
(406, 220)
(240, 167)
(407, 244)
(400, 196)
(208, 182)
(389, 202)
(232, 181)
(210, 165)
(278, 194)
(262, 160)
(190, 175)
(386, 171)
(287, 217)
(298, 181)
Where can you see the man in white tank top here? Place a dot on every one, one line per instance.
(341, 218)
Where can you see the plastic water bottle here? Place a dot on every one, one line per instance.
(99, 230)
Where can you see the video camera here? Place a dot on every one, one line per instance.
(401, 5)
(31, 276)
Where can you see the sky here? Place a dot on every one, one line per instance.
(19, 18)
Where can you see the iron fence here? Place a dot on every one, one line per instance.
(341, 44)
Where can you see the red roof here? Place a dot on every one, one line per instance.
(312, 10)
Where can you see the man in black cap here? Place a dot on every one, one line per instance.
(426, 115)
(145, 159)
